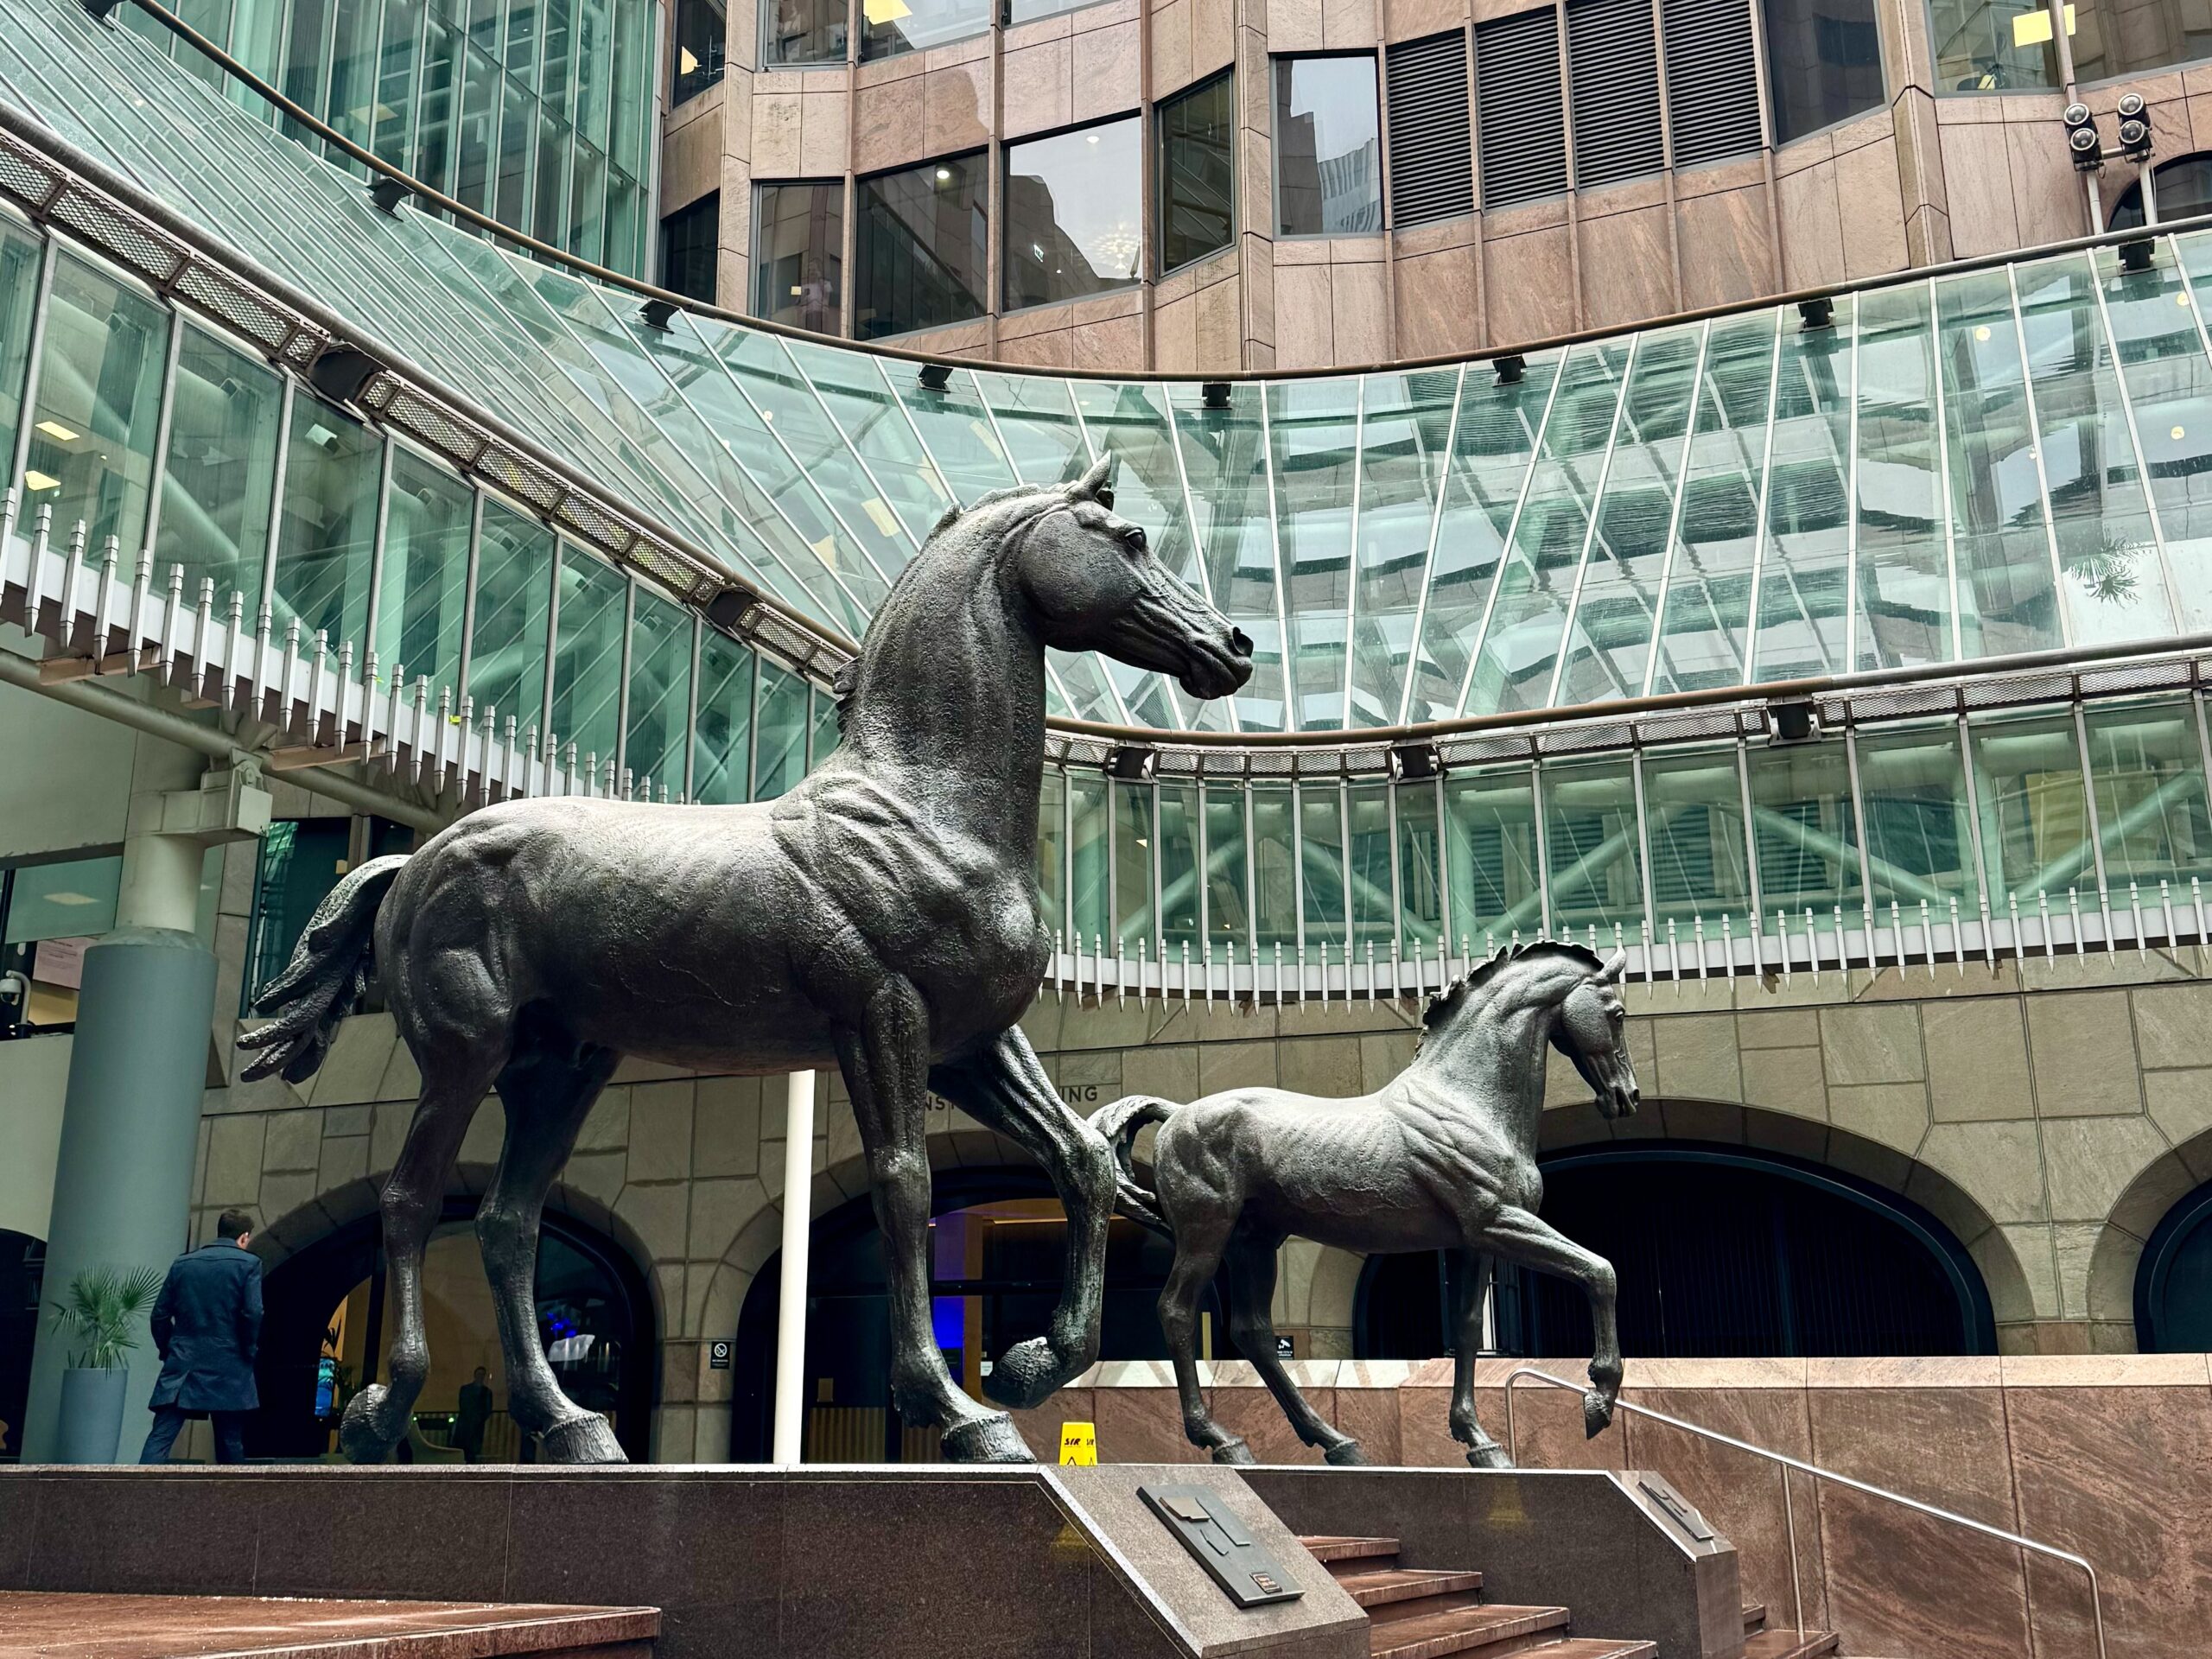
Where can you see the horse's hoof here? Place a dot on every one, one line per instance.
(1488, 1455)
(1234, 1451)
(358, 1436)
(1346, 1454)
(1025, 1377)
(992, 1439)
(581, 1440)
(1597, 1413)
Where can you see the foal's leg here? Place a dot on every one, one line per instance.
(885, 1063)
(1005, 1088)
(1516, 1235)
(1199, 1247)
(1483, 1452)
(1251, 1321)
(547, 1100)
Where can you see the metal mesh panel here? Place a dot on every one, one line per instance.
(1577, 739)
(2000, 694)
(121, 237)
(429, 423)
(517, 476)
(22, 178)
(593, 522)
(2134, 676)
(1182, 762)
(1272, 763)
(1903, 703)
(247, 313)
(1480, 750)
(1684, 728)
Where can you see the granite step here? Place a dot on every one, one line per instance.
(1594, 1647)
(1754, 1616)
(1486, 1630)
(1349, 1553)
(1789, 1644)
(1396, 1592)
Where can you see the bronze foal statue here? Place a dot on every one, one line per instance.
(882, 915)
(1444, 1157)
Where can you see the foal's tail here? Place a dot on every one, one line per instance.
(1121, 1123)
(329, 970)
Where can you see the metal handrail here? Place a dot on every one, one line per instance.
(1788, 1510)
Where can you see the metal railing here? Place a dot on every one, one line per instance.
(1788, 1509)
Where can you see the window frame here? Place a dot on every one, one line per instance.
(753, 247)
(1373, 55)
(1156, 232)
(1006, 307)
(675, 10)
(979, 153)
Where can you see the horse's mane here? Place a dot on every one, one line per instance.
(1447, 1004)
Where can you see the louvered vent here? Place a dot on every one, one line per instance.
(1517, 104)
(1431, 169)
(1613, 66)
(1712, 79)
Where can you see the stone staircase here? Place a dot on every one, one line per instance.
(1429, 1612)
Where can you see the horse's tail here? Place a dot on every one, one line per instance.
(329, 970)
(1121, 1123)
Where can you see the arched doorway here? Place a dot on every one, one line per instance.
(326, 1329)
(1720, 1253)
(2184, 191)
(998, 1254)
(2173, 1282)
(23, 1268)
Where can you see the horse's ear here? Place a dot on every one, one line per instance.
(1615, 967)
(1098, 484)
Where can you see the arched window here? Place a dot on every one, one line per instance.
(1720, 1253)
(2184, 187)
(326, 1330)
(2173, 1282)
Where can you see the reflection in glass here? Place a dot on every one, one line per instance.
(1985, 46)
(798, 255)
(891, 26)
(2035, 815)
(425, 581)
(1824, 63)
(1805, 582)
(721, 760)
(1274, 869)
(1806, 833)
(1073, 221)
(1321, 860)
(19, 262)
(1328, 147)
(1594, 867)
(218, 481)
(660, 694)
(689, 239)
(702, 37)
(1405, 430)
(1693, 805)
(1490, 820)
(326, 541)
(1132, 832)
(1905, 584)
(1315, 429)
(1179, 868)
(1088, 883)
(1198, 171)
(1223, 453)
(2182, 189)
(2149, 774)
(801, 31)
(99, 400)
(1420, 870)
(2169, 377)
(1228, 912)
(781, 761)
(1367, 867)
(1919, 832)
(514, 590)
(587, 658)
(1052, 854)
(921, 245)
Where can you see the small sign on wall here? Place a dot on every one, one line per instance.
(1285, 1349)
(718, 1355)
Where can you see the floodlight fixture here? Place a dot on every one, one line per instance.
(935, 377)
(1819, 312)
(655, 314)
(2083, 142)
(1509, 368)
(2135, 139)
(1132, 763)
(1215, 394)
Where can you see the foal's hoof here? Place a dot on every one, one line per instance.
(1025, 1377)
(359, 1435)
(1346, 1454)
(1488, 1455)
(1597, 1413)
(1234, 1450)
(991, 1439)
(581, 1440)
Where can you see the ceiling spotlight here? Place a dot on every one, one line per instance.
(2083, 144)
(2134, 127)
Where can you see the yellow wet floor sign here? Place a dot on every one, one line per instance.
(1079, 1445)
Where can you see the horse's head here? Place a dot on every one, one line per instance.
(1592, 1031)
(1094, 585)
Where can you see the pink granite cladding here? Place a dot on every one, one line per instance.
(2108, 1456)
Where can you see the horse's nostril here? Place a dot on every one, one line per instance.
(1238, 643)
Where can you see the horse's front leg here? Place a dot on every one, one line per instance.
(1516, 1235)
(1483, 1452)
(1003, 1087)
(886, 1063)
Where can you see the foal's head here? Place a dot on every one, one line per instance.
(1589, 1022)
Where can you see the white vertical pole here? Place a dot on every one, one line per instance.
(790, 1305)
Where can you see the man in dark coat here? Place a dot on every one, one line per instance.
(207, 1327)
(475, 1411)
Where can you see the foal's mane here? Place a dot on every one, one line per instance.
(1449, 1004)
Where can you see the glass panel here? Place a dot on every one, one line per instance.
(1052, 854)
(1919, 833)
(514, 586)
(2000, 545)
(1590, 843)
(2184, 191)
(803, 31)
(1274, 874)
(722, 756)
(1224, 456)
(922, 246)
(1229, 908)
(1374, 910)
(782, 759)
(1321, 859)
(217, 483)
(1490, 821)
(891, 26)
(1805, 832)
(99, 390)
(1420, 869)
(1134, 806)
(1179, 869)
(660, 694)
(1804, 583)
(353, 73)
(550, 219)
(872, 423)
(637, 31)
(2114, 39)
(1328, 147)
(425, 582)
(75, 900)
(326, 543)
(1087, 833)
(478, 136)
(690, 241)
(1992, 44)
(512, 193)
(1904, 585)
(433, 130)
(1405, 430)
(822, 741)
(596, 83)
(798, 255)
(1824, 63)
(558, 18)
(1315, 438)
(2151, 820)
(1699, 862)
(19, 262)
(2035, 818)
(587, 658)
(305, 62)
(2169, 377)
(398, 64)
(2113, 585)
(1074, 225)
(1198, 170)
(588, 205)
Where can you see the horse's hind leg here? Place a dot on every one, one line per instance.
(1199, 1247)
(1252, 1263)
(547, 1097)
(1516, 1235)
(1483, 1452)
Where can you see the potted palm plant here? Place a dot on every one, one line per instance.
(99, 1317)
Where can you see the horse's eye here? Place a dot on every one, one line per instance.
(1133, 538)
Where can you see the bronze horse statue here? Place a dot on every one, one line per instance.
(883, 914)
(1443, 1158)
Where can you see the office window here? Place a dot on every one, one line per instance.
(689, 237)
(801, 31)
(1198, 172)
(702, 34)
(921, 245)
(97, 403)
(891, 26)
(1073, 213)
(1824, 63)
(798, 255)
(1328, 147)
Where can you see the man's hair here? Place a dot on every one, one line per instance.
(233, 1224)
(480, 1371)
